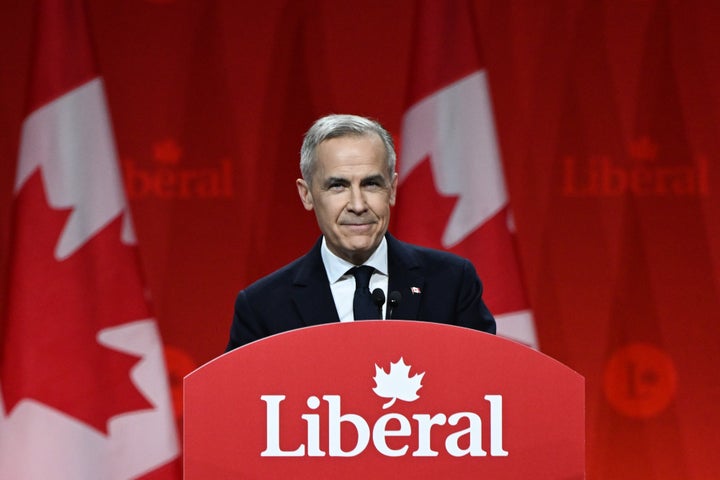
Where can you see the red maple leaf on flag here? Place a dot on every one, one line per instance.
(424, 217)
(489, 247)
(57, 310)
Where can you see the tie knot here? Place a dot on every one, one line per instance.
(362, 276)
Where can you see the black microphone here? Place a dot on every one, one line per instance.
(378, 297)
(393, 302)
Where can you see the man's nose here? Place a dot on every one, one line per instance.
(357, 201)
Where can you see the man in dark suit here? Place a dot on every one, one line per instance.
(349, 180)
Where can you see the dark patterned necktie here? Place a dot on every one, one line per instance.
(363, 306)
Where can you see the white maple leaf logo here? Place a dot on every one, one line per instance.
(397, 383)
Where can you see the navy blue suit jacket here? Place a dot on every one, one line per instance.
(435, 286)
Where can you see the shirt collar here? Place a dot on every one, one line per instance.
(336, 267)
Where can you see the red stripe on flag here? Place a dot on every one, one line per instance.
(63, 54)
(445, 40)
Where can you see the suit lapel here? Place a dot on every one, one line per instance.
(313, 298)
(311, 290)
(405, 277)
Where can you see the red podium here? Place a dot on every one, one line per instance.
(384, 400)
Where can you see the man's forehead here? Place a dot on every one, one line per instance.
(353, 136)
(351, 163)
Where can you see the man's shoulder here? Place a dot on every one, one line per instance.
(286, 276)
(423, 254)
(281, 276)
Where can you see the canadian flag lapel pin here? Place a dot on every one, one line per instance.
(415, 290)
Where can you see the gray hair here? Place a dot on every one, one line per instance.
(334, 126)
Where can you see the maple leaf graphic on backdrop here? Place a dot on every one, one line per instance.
(397, 383)
(56, 311)
(167, 152)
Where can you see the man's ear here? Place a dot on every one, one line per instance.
(393, 189)
(305, 194)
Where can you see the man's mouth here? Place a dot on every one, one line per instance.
(358, 226)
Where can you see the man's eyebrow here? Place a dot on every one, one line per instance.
(335, 180)
(377, 178)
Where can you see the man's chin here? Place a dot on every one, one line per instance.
(358, 252)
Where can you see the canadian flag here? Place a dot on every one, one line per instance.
(83, 384)
(452, 187)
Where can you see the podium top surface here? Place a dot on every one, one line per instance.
(400, 399)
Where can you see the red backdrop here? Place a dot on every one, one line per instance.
(607, 115)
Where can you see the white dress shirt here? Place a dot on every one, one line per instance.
(342, 284)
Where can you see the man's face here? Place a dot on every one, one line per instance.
(351, 194)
